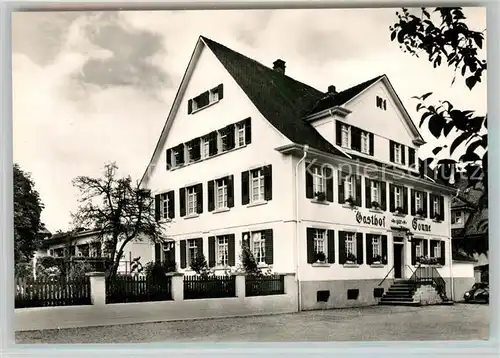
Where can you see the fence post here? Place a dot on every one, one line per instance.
(97, 287)
(290, 284)
(240, 282)
(177, 287)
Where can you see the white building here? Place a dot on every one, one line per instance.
(248, 152)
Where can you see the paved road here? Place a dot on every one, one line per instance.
(379, 323)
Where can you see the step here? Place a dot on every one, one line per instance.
(406, 299)
(399, 289)
(399, 303)
(398, 296)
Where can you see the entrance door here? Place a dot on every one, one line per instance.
(398, 260)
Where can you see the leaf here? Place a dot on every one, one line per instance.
(393, 35)
(469, 157)
(419, 106)
(473, 146)
(478, 39)
(424, 116)
(447, 128)
(484, 140)
(426, 95)
(436, 124)
(471, 81)
(436, 150)
(459, 140)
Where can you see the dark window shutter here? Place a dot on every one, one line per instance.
(245, 187)
(268, 182)
(182, 201)
(183, 253)
(157, 252)
(424, 202)
(403, 151)
(248, 131)
(411, 157)
(339, 133)
(171, 204)
(157, 207)
(199, 198)
(211, 251)
(190, 106)
(230, 191)
(442, 259)
(425, 243)
(310, 246)
(247, 241)
(405, 200)
(199, 246)
(342, 255)
(432, 245)
(383, 195)
(372, 143)
(441, 207)
(196, 151)
(431, 206)
(212, 143)
(359, 248)
(231, 250)
(230, 136)
(391, 198)
(391, 151)
(331, 246)
(412, 198)
(268, 242)
(180, 149)
(329, 184)
(220, 90)
(204, 99)
(368, 193)
(211, 195)
(359, 194)
(413, 253)
(356, 138)
(341, 187)
(369, 249)
(309, 183)
(384, 249)
(169, 159)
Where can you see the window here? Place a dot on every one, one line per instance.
(365, 142)
(350, 244)
(456, 217)
(398, 201)
(397, 153)
(257, 186)
(319, 241)
(435, 205)
(164, 208)
(191, 200)
(222, 250)
(437, 250)
(418, 249)
(349, 187)
(376, 246)
(205, 147)
(381, 103)
(319, 180)
(258, 247)
(224, 141)
(176, 156)
(214, 95)
(192, 251)
(418, 201)
(346, 136)
(240, 134)
(221, 194)
(189, 152)
(375, 187)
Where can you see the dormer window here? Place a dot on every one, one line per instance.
(346, 136)
(397, 153)
(381, 103)
(365, 142)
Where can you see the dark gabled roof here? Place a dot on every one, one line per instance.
(282, 100)
(474, 226)
(337, 99)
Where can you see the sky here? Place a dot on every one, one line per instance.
(95, 87)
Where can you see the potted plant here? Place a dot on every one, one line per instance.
(437, 217)
(377, 259)
(399, 210)
(320, 196)
(320, 257)
(375, 205)
(350, 258)
(420, 212)
(350, 201)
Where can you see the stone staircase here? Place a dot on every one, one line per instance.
(409, 293)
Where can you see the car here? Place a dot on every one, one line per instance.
(479, 293)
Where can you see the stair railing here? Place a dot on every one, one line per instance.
(429, 275)
(388, 273)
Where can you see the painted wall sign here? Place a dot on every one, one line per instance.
(374, 220)
(398, 221)
(420, 226)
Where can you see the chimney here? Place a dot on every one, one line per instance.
(331, 90)
(279, 65)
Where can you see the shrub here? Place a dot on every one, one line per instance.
(199, 264)
(248, 262)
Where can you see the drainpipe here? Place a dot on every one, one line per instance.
(297, 226)
(450, 250)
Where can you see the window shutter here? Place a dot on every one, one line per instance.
(199, 198)
(391, 151)
(405, 200)
(356, 138)
(157, 207)
(383, 195)
(391, 198)
(403, 152)
(183, 254)
(424, 203)
(268, 182)
(309, 183)
(331, 246)
(368, 193)
(442, 259)
(190, 106)
(248, 131)
(425, 243)
(245, 188)
(342, 256)
(341, 187)
(384, 249)
(212, 143)
(329, 184)
(441, 207)
(412, 198)
(199, 246)
(359, 194)
(230, 191)
(339, 133)
(359, 248)
(413, 253)
(157, 252)
(180, 150)
(432, 245)
(171, 204)
(220, 90)
(369, 249)
(196, 151)
(182, 201)
(310, 246)
(411, 157)
(431, 206)
(211, 195)
(231, 250)
(211, 251)
(169, 159)
(230, 136)
(372, 143)
(268, 242)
